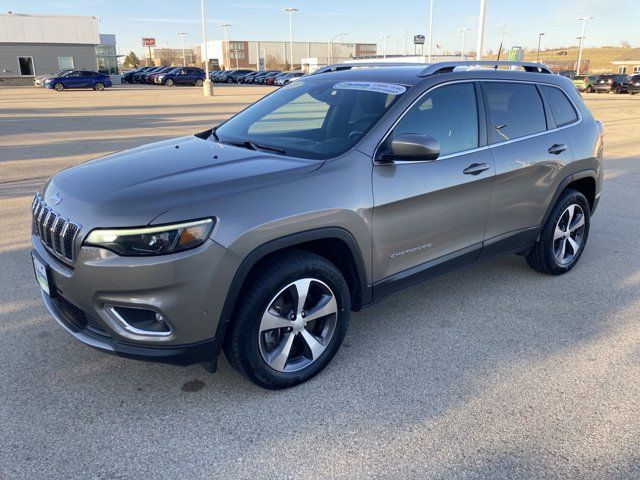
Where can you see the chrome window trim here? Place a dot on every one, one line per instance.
(477, 149)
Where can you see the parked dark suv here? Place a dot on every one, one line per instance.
(611, 83)
(260, 236)
(633, 85)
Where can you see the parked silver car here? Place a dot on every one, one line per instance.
(260, 236)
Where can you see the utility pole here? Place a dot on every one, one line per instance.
(430, 31)
(290, 11)
(483, 11)
(463, 30)
(538, 53)
(584, 28)
(206, 86)
(182, 34)
(384, 45)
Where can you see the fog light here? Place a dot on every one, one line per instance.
(140, 321)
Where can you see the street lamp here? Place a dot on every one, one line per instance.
(384, 45)
(483, 11)
(539, 40)
(290, 11)
(206, 85)
(463, 30)
(330, 53)
(581, 37)
(430, 30)
(225, 26)
(182, 34)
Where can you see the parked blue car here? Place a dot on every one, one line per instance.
(181, 76)
(79, 79)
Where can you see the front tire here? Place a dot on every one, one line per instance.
(58, 87)
(290, 321)
(564, 235)
(169, 83)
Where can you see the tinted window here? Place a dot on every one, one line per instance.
(449, 114)
(561, 108)
(515, 110)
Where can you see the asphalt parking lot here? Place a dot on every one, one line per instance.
(493, 372)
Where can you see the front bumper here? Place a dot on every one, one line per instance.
(188, 289)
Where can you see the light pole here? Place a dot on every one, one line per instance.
(225, 45)
(384, 45)
(182, 34)
(290, 11)
(430, 30)
(464, 31)
(330, 53)
(483, 10)
(584, 28)
(225, 26)
(538, 53)
(206, 86)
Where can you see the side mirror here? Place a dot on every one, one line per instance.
(413, 147)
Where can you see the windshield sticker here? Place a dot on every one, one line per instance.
(388, 88)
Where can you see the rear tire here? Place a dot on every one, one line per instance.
(274, 341)
(99, 86)
(563, 236)
(58, 87)
(198, 82)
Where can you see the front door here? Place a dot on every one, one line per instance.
(434, 210)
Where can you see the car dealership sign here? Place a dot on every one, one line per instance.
(148, 42)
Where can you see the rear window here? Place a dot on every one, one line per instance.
(560, 106)
(515, 110)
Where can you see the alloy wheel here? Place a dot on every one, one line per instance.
(298, 325)
(569, 234)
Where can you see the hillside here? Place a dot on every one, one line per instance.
(600, 58)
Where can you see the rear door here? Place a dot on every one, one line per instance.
(429, 210)
(529, 151)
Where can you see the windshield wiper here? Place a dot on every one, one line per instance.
(256, 146)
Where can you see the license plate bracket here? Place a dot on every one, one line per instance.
(42, 272)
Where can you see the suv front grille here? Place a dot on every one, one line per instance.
(58, 234)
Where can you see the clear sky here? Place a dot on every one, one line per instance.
(363, 21)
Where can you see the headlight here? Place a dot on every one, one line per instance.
(158, 240)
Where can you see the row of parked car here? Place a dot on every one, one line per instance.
(268, 77)
(610, 83)
(168, 76)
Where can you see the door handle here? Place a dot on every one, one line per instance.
(476, 168)
(557, 148)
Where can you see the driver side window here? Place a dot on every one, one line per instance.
(449, 114)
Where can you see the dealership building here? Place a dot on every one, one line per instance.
(40, 44)
(277, 55)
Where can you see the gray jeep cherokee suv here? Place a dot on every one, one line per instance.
(260, 236)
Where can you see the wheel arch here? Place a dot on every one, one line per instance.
(583, 181)
(333, 243)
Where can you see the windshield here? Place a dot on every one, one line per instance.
(311, 119)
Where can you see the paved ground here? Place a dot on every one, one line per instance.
(490, 372)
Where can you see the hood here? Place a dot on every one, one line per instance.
(135, 186)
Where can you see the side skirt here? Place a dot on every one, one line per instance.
(514, 242)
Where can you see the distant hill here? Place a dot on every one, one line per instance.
(600, 58)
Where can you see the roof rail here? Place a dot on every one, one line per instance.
(446, 67)
(349, 65)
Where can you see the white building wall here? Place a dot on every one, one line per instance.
(18, 28)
